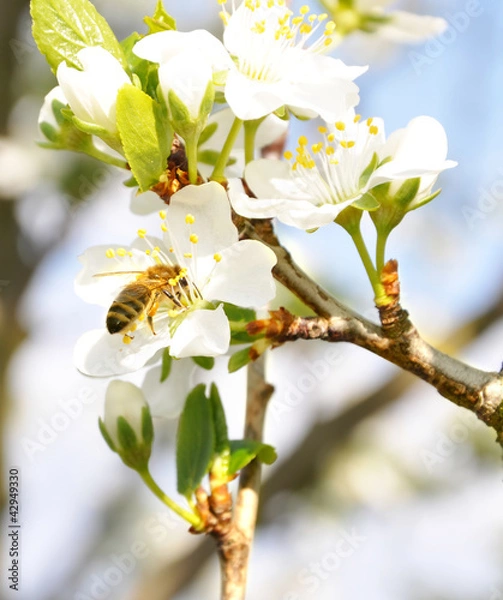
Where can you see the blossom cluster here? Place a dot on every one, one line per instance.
(132, 104)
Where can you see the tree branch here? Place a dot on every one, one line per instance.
(397, 340)
(234, 548)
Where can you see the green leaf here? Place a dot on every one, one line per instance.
(219, 421)
(144, 70)
(145, 135)
(147, 426)
(161, 20)
(205, 362)
(238, 313)
(106, 436)
(239, 360)
(167, 362)
(207, 132)
(369, 169)
(244, 451)
(126, 435)
(195, 441)
(63, 27)
(210, 157)
(407, 192)
(366, 202)
(424, 200)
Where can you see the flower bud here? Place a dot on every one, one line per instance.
(92, 92)
(127, 425)
(187, 87)
(50, 118)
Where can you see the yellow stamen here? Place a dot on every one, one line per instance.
(194, 238)
(288, 155)
(187, 255)
(190, 219)
(164, 227)
(369, 121)
(121, 252)
(126, 339)
(340, 126)
(217, 257)
(110, 253)
(162, 214)
(142, 233)
(373, 130)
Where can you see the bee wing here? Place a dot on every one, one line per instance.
(117, 273)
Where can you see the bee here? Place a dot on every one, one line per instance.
(142, 298)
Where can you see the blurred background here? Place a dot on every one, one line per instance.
(383, 490)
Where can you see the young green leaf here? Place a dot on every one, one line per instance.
(244, 451)
(205, 362)
(239, 360)
(160, 20)
(145, 135)
(238, 313)
(219, 421)
(63, 27)
(167, 362)
(195, 441)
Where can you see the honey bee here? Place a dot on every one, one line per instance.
(142, 298)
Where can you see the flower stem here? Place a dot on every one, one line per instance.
(251, 128)
(382, 238)
(191, 517)
(191, 152)
(218, 171)
(372, 274)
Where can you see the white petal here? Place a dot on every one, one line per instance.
(100, 354)
(46, 114)
(146, 203)
(202, 333)
(123, 399)
(209, 205)
(420, 148)
(296, 212)
(188, 77)
(166, 398)
(162, 46)
(273, 179)
(243, 276)
(409, 28)
(92, 93)
(94, 287)
(251, 99)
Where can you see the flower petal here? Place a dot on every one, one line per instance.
(162, 46)
(166, 398)
(100, 354)
(94, 286)
(243, 275)
(209, 205)
(202, 333)
(409, 28)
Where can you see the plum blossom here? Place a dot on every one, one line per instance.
(372, 16)
(92, 92)
(312, 188)
(207, 265)
(270, 59)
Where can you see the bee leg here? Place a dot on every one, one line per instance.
(152, 309)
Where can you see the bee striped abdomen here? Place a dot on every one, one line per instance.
(127, 307)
